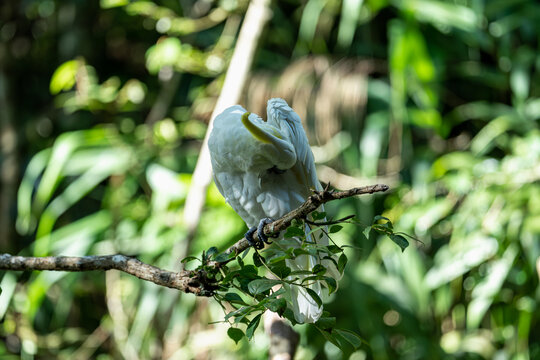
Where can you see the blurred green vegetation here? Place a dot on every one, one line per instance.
(103, 107)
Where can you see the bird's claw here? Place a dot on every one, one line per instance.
(260, 230)
(263, 239)
(249, 237)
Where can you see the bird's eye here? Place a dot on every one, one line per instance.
(274, 170)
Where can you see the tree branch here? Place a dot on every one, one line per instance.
(189, 281)
(312, 203)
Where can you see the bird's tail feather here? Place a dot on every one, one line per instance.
(305, 308)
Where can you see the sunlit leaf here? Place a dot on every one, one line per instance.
(259, 286)
(165, 53)
(441, 13)
(350, 13)
(64, 76)
(484, 293)
(451, 263)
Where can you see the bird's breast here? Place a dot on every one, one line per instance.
(257, 195)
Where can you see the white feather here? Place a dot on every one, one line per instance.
(241, 164)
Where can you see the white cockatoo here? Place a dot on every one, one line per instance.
(265, 169)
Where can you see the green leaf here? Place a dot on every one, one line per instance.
(300, 251)
(329, 337)
(400, 241)
(280, 269)
(240, 261)
(239, 314)
(278, 259)
(253, 326)
(342, 262)
(366, 232)
(223, 257)
(314, 296)
(350, 14)
(234, 298)
(335, 228)
(64, 77)
(318, 269)
(379, 217)
(248, 271)
(165, 53)
(315, 215)
(108, 4)
(293, 231)
(235, 334)
(289, 315)
(259, 286)
(273, 253)
(362, 239)
(276, 305)
(488, 287)
(211, 251)
(331, 258)
(188, 259)
(276, 293)
(326, 322)
(386, 225)
(258, 260)
(444, 14)
(331, 283)
(351, 337)
(334, 249)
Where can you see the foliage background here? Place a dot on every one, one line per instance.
(103, 107)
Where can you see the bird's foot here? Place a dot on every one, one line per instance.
(262, 238)
(249, 237)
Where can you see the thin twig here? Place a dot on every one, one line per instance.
(331, 222)
(312, 203)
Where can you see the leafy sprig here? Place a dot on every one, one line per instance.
(245, 293)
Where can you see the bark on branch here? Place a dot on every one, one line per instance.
(188, 281)
(185, 280)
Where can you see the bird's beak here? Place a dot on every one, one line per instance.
(285, 151)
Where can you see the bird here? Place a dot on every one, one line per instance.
(264, 169)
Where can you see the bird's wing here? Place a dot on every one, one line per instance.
(243, 148)
(305, 307)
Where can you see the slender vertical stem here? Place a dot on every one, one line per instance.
(235, 79)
